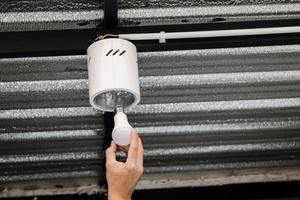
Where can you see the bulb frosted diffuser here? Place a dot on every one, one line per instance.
(121, 133)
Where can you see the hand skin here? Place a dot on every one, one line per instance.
(123, 177)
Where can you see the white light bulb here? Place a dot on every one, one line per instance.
(121, 133)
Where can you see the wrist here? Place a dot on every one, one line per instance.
(115, 196)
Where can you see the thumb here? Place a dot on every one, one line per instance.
(111, 152)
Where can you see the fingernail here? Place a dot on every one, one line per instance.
(133, 134)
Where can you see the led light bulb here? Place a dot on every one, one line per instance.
(121, 133)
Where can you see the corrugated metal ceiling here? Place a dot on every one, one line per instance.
(206, 117)
(77, 14)
(234, 112)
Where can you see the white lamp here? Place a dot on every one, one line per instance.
(114, 82)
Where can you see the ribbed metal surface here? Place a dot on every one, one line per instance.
(50, 143)
(47, 144)
(77, 14)
(201, 111)
(220, 108)
(52, 5)
(49, 15)
(135, 13)
(55, 5)
(191, 3)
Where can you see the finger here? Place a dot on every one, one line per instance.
(124, 149)
(111, 152)
(133, 148)
(140, 157)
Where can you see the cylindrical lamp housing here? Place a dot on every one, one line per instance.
(113, 74)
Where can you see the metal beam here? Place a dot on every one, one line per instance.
(72, 42)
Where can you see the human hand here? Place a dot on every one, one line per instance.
(122, 177)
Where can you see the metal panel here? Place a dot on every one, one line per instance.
(52, 5)
(48, 15)
(77, 14)
(133, 13)
(51, 145)
(191, 3)
(204, 114)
